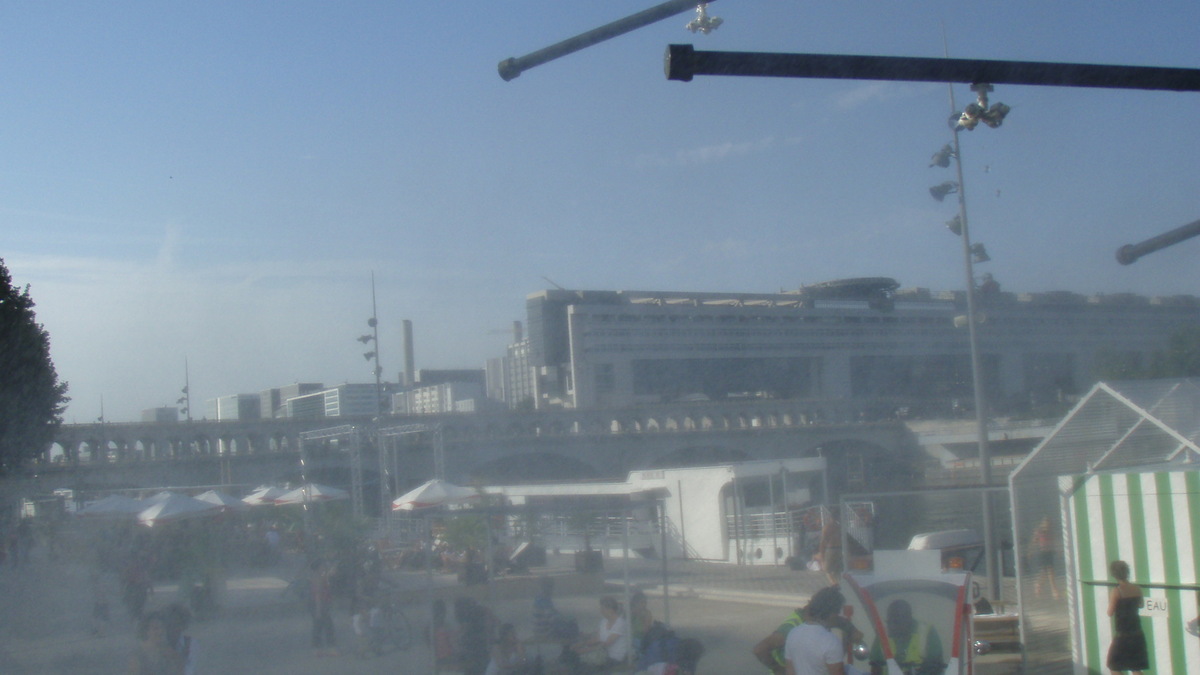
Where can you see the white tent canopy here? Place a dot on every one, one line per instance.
(176, 507)
(311, 493)
(433, 493)
(264, 494)
(226, 502)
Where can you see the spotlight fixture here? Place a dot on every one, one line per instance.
(369, 355)
(703, 23)
(995, 115)
(979, 253)
(942, 157)
(939, 192)
(365, 339)
(955, 225)
(992, 115)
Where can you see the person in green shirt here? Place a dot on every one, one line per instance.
(915, 645)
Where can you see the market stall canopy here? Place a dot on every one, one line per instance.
(161, 496)
(265, 494)
(433, 493)
(176, 507)
(226, 502)
(311, 493)
(113, 506)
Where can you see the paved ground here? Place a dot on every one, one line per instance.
(45, 621)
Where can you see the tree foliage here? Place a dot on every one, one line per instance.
(1181, 358)
(32, 399)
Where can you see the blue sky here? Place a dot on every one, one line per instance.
(216, 181)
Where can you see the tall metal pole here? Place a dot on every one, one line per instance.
(985, 455)
(385, 494)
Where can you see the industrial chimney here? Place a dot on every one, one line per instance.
(409, 373)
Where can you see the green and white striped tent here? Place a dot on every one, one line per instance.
(1125, 446)
(1151, 520)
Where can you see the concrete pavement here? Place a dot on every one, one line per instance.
(45, 620)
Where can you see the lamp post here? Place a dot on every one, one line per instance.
(186, 399)
(385, 495)
(992, 116)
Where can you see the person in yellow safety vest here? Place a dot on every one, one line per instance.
(916, 646)
(769, 651)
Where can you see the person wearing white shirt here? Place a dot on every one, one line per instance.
(811, 647)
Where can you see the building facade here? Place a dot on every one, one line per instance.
(857, 339)
(447, 397)
(234, 407)
(512, 379)
(272, 402)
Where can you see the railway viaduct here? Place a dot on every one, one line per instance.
(478, 447)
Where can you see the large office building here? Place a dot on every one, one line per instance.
(233, 407)
(852, 339)
(273, 402)
(343, 400)
(512, 379)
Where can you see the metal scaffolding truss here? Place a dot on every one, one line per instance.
(345, 432)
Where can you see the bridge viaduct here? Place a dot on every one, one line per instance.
(488, 447)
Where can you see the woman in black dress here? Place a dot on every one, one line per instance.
(1128, 649)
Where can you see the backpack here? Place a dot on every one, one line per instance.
(661, 646)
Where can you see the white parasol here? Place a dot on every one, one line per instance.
(113, 506)
(176, 507)
(312, 493)
(433, 493)
(226, 502)
(265, 494)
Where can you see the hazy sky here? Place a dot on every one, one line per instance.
(217, 180)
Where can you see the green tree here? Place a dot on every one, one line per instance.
(32, 399)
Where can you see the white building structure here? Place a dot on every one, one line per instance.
(233, 407)
(446, 397)
(853, 339)
(742, 513)
(344, 400)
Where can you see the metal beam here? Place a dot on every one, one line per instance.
(510, 68)
(683, 62)
(1129, 253)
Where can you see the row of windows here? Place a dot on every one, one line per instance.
(762, 318)
(1094, 316)
(772, 333)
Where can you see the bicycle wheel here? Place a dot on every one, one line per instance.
(399, 630)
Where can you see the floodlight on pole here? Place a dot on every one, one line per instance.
(991, 115)
(942, 157)
(939, 192)
(979, 253)
(703, 23)
(980, 111)
(955, 225)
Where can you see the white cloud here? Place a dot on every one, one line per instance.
(704, 154)
(875, 93)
